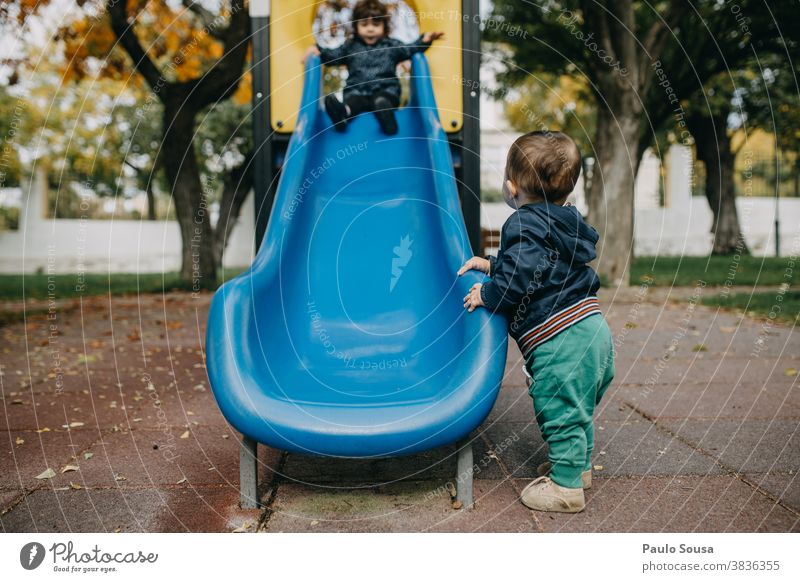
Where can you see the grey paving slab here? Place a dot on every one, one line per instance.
(674, 504)
(400, 507)
(723, 400)
(81, 511)
(621, 448)
(640, 448)
(525, 448)
(134, 510)
(701, 369)
(783, 486)
(745, 446)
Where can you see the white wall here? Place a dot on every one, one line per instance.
(101, 246)
(682, 227)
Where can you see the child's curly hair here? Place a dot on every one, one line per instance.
(371, 10)
(544, 163)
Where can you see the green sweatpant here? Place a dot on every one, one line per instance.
(570, 373)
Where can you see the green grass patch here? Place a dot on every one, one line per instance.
(781, 305)
(726, 270)
(42, 286)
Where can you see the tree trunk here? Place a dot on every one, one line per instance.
(713, 146)
(610, 196)
(198, 264)
(151, 200)
(238, 184)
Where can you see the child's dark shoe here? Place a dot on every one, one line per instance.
(384, 111)
(544, 495)
(337, 112)
(586, 477)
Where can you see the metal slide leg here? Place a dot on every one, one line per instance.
(248, 473)
(464, 473)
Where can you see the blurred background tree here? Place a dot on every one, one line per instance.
(654, 74)
(149, 71)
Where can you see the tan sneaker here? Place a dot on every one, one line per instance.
(586, 477)
(545, 495)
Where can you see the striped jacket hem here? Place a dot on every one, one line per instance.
(556, 323)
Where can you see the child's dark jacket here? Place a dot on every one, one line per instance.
(540, 279)
(371, 68)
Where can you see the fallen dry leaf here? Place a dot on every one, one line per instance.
(791, 372)
(87, 456)
(69, 468)
(120, 478)
(185, 435)
(181, 481)
(74, 485)
(47, 474)
(20, 441)
(41, 430)
(457, 505)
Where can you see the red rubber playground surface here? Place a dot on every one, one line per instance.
(109, 424)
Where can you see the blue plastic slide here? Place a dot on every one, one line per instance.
(348, 336)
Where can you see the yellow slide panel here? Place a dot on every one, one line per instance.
(291, 35)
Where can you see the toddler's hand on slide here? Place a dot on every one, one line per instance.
(477, 264)
(312, 50)
(473, 298)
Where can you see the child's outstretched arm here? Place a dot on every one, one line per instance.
(311, 51)
(327, 55)
(403, 52)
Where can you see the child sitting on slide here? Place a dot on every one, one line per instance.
(371, 58)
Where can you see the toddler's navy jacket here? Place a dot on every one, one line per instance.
(540, 279)
(371, 68)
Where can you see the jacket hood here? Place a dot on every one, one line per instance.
(574, 239)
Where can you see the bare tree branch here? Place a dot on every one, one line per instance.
(122, 25)
(657, 37)
(206, 17)
(223, 79)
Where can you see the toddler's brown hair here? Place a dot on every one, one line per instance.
(544, 163)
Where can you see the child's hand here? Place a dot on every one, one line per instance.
(477, 264)
(473, 298)
(312, 50)
(432, 36)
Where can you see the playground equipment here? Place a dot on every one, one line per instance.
(347, 336)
